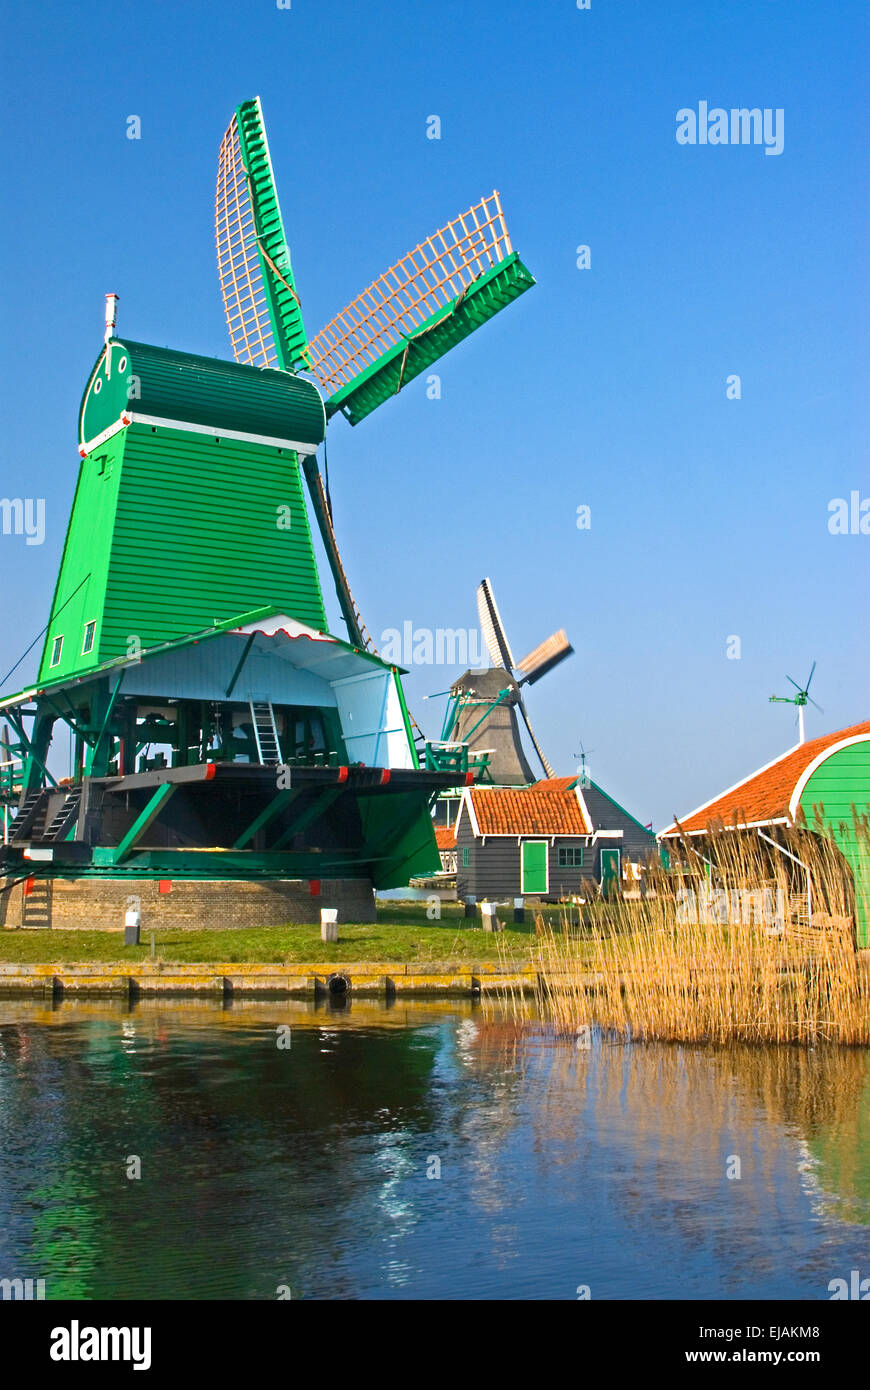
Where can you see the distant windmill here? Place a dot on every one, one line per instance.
(801, 700)
(483, 713)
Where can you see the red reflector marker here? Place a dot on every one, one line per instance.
(469, 779)
(342, 774)
(385, 776)
(210, 770)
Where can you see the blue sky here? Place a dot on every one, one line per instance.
(604, 387)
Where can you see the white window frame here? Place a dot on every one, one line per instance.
(571, 849)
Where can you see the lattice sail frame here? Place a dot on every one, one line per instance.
(492, 627)
(241, 278)
(424, 305)
(262, 308)
(396, 305)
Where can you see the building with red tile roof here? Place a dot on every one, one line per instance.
(771, 795)
(445, 837)
(552, 839)
(553, 806)
(827, 777)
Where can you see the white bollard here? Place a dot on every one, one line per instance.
(488, 913)
(329, 924)
(132, 922)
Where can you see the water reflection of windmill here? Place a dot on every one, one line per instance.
(481, 719)
(801, 700)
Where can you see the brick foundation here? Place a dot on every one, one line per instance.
(92, 904)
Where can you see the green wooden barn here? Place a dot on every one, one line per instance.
(827, 777)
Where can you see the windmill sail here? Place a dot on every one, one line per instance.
(431, 299)
(492, 628)
(263, 312)
(544, 657)
(548, 770)
(425, 304)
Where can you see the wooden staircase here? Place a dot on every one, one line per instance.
(64, 820)
(31, 809)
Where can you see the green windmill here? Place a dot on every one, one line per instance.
(440, 292)
(219, 730)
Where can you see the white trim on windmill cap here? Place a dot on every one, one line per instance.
(130, 417)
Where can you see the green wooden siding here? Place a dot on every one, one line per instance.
(183, 533)
(80, 591)
(839, 783)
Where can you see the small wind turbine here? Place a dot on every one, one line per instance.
(583, 755)
(801, 700)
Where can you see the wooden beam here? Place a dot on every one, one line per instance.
(144, 820)
(274, 807)
(242, 659)
(31, 752)
(302, 822)
(99, 739)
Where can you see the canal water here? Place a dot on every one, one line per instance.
(418, 1151)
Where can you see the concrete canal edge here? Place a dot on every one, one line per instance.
(225, 980)
(461, 980)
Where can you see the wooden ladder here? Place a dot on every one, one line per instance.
(265, 732)
(36, 905)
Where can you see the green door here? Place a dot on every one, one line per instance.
(535, 878)
(609, 871)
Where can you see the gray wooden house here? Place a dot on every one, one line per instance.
(559, 838)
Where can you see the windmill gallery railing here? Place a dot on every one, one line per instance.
(404, 298)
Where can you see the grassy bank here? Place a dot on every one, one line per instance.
(402, 933)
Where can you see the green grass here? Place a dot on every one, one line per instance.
(402, 933)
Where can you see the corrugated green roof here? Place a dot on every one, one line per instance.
(204, 391)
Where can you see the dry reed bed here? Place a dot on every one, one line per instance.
(721, 948)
